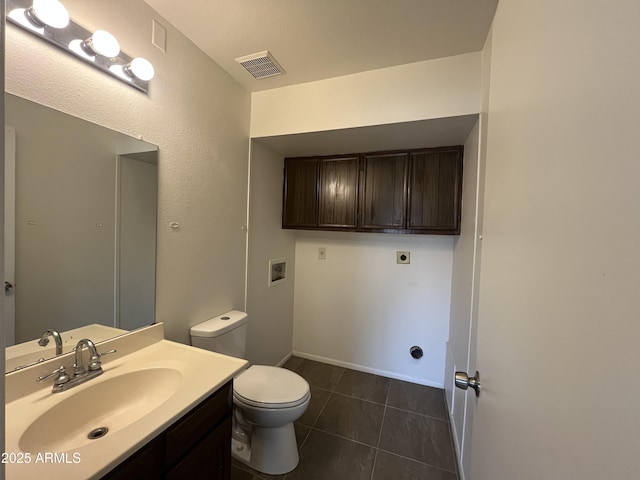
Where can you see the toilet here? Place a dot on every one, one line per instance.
(267, 400)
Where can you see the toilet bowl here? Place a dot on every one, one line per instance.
(267, 400)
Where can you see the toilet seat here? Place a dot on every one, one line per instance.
(270, 387)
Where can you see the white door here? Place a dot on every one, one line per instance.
(559, 314)
(9, 235)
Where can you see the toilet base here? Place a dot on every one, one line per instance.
(273, 451)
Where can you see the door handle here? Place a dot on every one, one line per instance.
(464, 381)
(8, 287)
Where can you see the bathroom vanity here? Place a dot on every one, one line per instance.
(196, 446)
(166, 407)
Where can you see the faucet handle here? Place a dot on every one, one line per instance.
(95, 363)
(60, 379)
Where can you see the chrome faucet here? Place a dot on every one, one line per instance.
(44, 340)
(81, 373)
(94, 359)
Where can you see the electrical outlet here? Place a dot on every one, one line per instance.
(322, 253)
(403, 258)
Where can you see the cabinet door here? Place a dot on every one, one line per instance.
(209, 460)
(146, 464)
(384, 196)
(338, 193)
(300, 202)
(435, 188)
(187, 431)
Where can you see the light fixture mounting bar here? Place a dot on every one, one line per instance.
(64, 38)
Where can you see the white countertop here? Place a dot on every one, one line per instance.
(200, 374)
(28, 352)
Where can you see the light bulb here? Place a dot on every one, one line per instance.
(102, 43)
(24, 19)
(140, 68)
(48, 12)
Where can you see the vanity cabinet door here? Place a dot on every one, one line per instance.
(197, 446)
(338, 193)
(146, 463)
(185, 433)
(384, 196)
(435, 190)
(209, 460)
(300, 197)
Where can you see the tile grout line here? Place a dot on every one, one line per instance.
(358, 398)
(377, 448)
(321, 410)
(444, 420)
(305, 437)
(417, 461)
(344, 438)
(333, 389)
(327, 401)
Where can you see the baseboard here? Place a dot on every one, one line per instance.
(284, 360)
(362, 368)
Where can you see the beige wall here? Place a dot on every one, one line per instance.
(270, 309)
(65, 220)
(445, 87)
(197, 115)
(2, 326)
(358, 308)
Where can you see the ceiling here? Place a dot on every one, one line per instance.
(319, 39)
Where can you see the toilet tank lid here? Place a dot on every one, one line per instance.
(218, 325)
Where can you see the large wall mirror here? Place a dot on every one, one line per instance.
(81, 208)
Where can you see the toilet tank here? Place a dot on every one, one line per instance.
(226, 334)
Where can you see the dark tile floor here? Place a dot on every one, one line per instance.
(364, 427)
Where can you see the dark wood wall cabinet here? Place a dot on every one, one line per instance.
(198, 446)
(409, 191)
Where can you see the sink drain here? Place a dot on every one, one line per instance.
(97, 433)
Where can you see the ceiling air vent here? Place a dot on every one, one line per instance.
(261, 65)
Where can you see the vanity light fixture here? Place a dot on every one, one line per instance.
(49, 20)
(47, 12)
(101, 43)
(140, 68)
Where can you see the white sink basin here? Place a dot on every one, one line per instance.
(114, 403)
(148, 385)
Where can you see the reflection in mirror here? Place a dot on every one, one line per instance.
(85, 231)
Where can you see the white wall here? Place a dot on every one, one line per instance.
(270, 309)
(198, 116)
(360, 309)
(445, 87)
